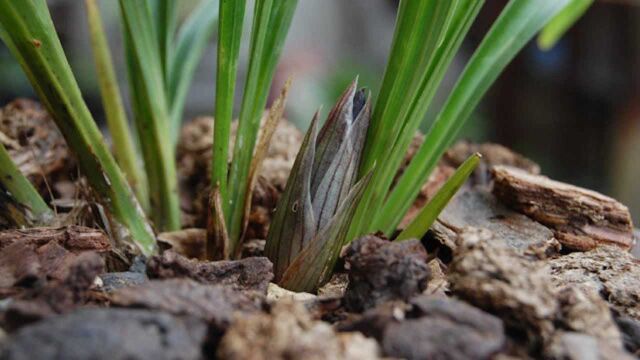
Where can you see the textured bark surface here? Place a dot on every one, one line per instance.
(214, 303)
(582, 219)
(31, 255)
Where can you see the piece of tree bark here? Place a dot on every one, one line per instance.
(582, 219)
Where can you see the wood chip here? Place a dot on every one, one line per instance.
(582, 219)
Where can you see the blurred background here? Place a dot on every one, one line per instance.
(574, 109)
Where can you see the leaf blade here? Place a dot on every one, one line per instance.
(425, 218)
(515, 26)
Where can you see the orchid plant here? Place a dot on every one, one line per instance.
(342, 182)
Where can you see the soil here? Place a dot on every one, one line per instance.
(517, 266)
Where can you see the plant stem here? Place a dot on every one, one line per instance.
(123, 145)
(190, 44)
(27, 29)
(21, 189)
(229, 37)
(516, 25)
(165, 13)
(151, 113)
(271, 22)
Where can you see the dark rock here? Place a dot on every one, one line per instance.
(630, 330)
(139, 264)
(479, 209)
(380, 271)
(119, 280)
(109, 334)
(213, 303)
(56, 296)
(246, 274)
(373, 322)
(445, 329)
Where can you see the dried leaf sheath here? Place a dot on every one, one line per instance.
(323, 175)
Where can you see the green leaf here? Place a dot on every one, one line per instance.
(151, 113)
(559, 25)
(165, 15)
(123, 145)
(447, 23)
(192, 41)
(229, 37)
(271, 22)
(13, 181)
(516, 25)
(27, 29)
(423, 221)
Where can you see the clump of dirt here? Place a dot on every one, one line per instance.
(522, 293)
(288, 332)
(35, 144)
(609, 271)
(380, 270)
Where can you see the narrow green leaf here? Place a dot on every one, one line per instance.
(516, 25)
(229, 37)
(423, 221)
(188, 50)
(165, 14)
(123, 145)
(417, 35)
(151, 113)
(13, 181)
(424, 78)
(271, 22)
(559, 25)
(27, 29)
